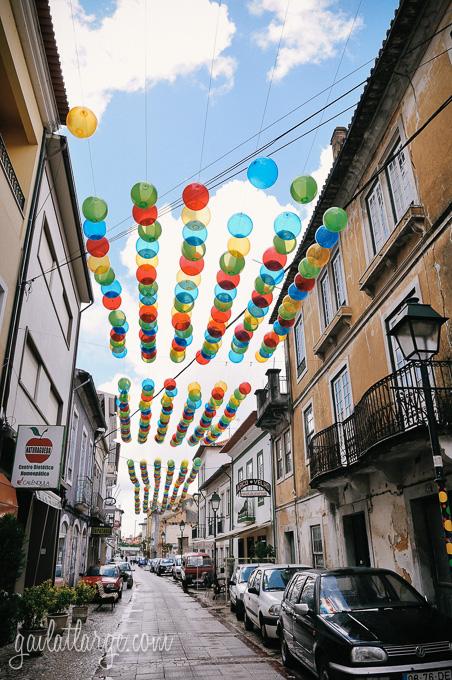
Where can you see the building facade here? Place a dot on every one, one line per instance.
(362, 489)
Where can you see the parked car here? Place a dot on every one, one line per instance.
(165, 566)
(237, 587)
(108, 574)
(196, 569)
(126, 573)
(263, 595)
(177, 567)
(361, 622)
(154, 564)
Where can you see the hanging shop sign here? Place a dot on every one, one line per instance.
(38, 457)
(109, 501)
(101, 531)
(253, 488)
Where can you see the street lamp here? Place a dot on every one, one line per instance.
(181, 527)
(215, 501)
(417, 331)
(163, 541)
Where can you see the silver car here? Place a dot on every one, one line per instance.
(237, 587)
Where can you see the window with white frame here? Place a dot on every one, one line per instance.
(72, 446)
(228, 502)
(240, 474)
(342, 395)
(300, 347)
(279, 457)
(287, 452)
(332, 288)
(249, 469)
(260, 472)
(52, 274)
(83, 453)
(309, 430)
(378, 220)
(318, 560)
(400, 180)
(36, 381)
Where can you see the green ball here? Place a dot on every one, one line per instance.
(143, 194)
(105, 278)
(117, 317)
(124, 385)
(150, 232)
(303, 189)
(94, 209)
(232, 264)
(308, 270)
(262, 287)
(284, 246)
(335, 219)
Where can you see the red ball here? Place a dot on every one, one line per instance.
(261, 300)
(271, 340)
(201, 360)
(274, 260)
(148, 313)
(287, 323)
(181, 321)
(242, 334)
(111, 303)
(190, 267)
(245, 388)
(216, 330)
(146, 274)
(195, 196)
(169, 384)
(144, 216)
(304, 284)
(220, 317)
(98, 247)
(228, 281)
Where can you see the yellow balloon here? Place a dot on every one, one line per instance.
(99, 265)
(239, 246)
(185, 277)
(317, 256)
(212, 346)
(292, 306)
(251, 321)
(194, 386)
(203, 215)
(234, 401)
(260, 358)
(143, 260)
(81, 122)
(222, 385)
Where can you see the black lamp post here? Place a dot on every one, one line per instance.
(181, 527)
(163, 542)
(417, 330)
(215, 501)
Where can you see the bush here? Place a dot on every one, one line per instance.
(34, 605)
(84, 593)
(11, 555)
(60, 599)
(9, 616)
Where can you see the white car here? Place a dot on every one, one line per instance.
(237, 587)
(263, 597)
(177, 567)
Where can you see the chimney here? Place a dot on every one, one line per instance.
(337, 140)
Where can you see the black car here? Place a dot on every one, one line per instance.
(126, 573)
(165, 566)
(363, 623)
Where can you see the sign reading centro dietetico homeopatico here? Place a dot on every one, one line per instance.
(38, 457)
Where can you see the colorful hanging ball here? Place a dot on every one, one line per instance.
(262, 173)
(317, 255)
(287, 225)
(81, 122)
(195, 196)
(144, 195)
(335, 219)
(308, 270)
(326, 238)
(303, 189)
(94, 209)
(240, 225)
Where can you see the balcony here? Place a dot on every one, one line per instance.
(83, 494)
(340, 321)
(11, 177)
(272, 401)
(97, 508)
(390, 414)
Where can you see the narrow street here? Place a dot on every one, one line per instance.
(190, 642)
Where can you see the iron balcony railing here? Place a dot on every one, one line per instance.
(391, 407)
(84, 491)
(11, 177)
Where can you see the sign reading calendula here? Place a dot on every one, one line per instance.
(38, 457)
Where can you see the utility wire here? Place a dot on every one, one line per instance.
(209, 90)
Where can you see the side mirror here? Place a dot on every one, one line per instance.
(232, 582)
(253, 591)
(301, 609)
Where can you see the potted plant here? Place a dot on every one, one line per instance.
(60, 598)
(83, 595)
(9, 616)
(33, 609)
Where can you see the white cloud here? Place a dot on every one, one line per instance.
(177, 35)
(313, 31)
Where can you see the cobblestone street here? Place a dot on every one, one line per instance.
(190, 642)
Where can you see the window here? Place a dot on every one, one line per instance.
(240, 474)
(72, 446)
(295, 589)
(300, 347)
(332, 288)
(37, 383)
(325, 292)
(49, 266)
(308, 422)
(279, 459)
(318, 560)
(400, 180)
(287, 452)
(342, 395)
(83, 453)
(30, 371)
(260, 472)
(249, 469)
(379, 229)
(228, 502)
(307, 596)
(338, 280)
(257, 581)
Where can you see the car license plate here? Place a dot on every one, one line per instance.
(444, 674)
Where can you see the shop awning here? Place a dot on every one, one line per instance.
(238, 531)
(8, 497)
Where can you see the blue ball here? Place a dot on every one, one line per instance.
(112, 290)
(195, 233)
(240, 225)
(271, 277)
(280, 330)
(225, 295)
(234, 357)
(256, 311)
(326, 238)
(296, 294)
(94, 230)
(147, 249)
(287, 226)
(262, 173)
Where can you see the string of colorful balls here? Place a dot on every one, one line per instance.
(95, 211)
(232, 263)
(147, 393)
(240, 393)
(196, 217)
(183, 469)
(197, 462)
(210, 410)
(192, 403)
(144, 212)
(169, 476)
(170, 392)
(124, 409)
(157, 478)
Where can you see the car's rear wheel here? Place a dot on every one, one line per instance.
(286, 656)
(263, 630)
(239, 611)
(248, 623)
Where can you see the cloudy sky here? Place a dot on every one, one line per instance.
(144, 67)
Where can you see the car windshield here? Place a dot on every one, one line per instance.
(108, 570)
(198, 561)
(245, 574)
(350, 592)
(167, 561)
(124, 566)
(277, 579)
(93, 571)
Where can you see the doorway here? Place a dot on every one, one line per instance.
(431, 553)
(290, 547)
(356, 541)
